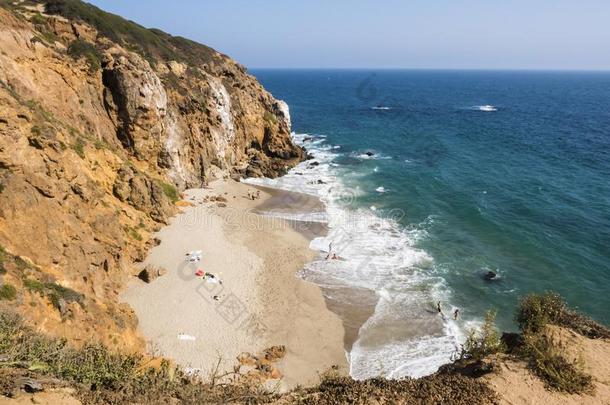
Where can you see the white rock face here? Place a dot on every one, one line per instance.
(173, 146)
(224, 135)
(285, 110)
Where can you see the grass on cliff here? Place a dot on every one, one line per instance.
(82, 49)
(547, 362)
(152, 44)
(79, 147)
(170, 191)
(8, 292)
(545, 358)
(54, 292)
(483, 341)
(101, 376)
(536, 311)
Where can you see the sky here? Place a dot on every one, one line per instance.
(439, 34)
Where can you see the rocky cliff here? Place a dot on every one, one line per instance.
(102, 123)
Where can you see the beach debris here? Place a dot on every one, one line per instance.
(194, 256)
(212, 279)
(185, 337)
(150, 273)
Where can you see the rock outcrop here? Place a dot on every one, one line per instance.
(102, 123)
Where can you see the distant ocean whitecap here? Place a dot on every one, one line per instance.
(486, 108)
(379, 107)
(380, 189)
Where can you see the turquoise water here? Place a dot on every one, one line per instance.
(501, 171)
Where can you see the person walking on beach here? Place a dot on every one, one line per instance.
(456, 313)
(438, 307)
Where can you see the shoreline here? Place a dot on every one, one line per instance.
(261, 302)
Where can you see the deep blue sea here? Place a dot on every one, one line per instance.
(475, 171)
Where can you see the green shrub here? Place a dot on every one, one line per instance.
(21, 263)
(484, 341)
(79, 147)
(34, 285)
(270, 118)
(102, 376)
(82, 49)
(37, 108)
(50, 37)
(170, 191)
(8, 292)
(134, 234)
(553, 368)
(152, 44)
(54, 292)
(38, 19)
(535, 311)
(100, 144)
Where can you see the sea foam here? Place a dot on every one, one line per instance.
(404, 335)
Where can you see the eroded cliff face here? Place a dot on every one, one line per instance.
(97, 136)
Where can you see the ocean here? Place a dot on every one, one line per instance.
(431, 180)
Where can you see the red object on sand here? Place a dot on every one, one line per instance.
(199, 273)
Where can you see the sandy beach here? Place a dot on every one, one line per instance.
(258, 302)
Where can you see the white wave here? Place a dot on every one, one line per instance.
(381, 108)
(378, 255)
(486, 108)
(380, 189)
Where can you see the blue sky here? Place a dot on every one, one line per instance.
(454, 34)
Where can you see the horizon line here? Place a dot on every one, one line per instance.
(575, 70)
